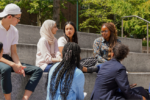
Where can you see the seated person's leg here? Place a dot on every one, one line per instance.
(36, 73)
(5, 71)
(141, 91)
(48, 67)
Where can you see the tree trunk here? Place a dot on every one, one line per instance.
(56, 12)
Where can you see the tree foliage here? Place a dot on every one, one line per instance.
(100, 11)
(94, 13)
(43, 8)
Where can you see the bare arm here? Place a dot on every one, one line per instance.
(18, 68)
(60, 50)
(10, 63)
(14, 54)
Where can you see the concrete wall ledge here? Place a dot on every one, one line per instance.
(135, 62)
(140, 78)
(19, 82)
(30, 35)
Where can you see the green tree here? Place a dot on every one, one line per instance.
(95, 13)
(100, 11)
(132, 26)
(45, 9)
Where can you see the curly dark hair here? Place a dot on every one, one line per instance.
(120, 51)
(64, 72)
(113, 33)
(75, 37)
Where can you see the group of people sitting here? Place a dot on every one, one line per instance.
(62, 62)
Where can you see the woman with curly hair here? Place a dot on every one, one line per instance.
(66, 80)
(103, 45)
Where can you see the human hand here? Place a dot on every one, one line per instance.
(143, 98)
(59, 59)
(133, 85)
(22, 72)
(19, 69)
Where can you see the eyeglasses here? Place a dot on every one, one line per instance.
(16, 17)
(106, 31)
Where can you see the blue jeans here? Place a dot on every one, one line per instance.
(48, 67)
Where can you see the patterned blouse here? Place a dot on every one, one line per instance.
(101, 49)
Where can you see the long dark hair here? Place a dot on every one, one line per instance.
(64, 72)
(75, 37)
(113, 33)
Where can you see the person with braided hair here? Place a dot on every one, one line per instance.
(102, 46)
(65, 79)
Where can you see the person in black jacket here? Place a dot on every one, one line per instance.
(112, 80)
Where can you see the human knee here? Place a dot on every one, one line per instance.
(6, 70)
(39, 70)
(140, 88)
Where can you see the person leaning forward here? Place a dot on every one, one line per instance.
(112, 81)
(10, 61)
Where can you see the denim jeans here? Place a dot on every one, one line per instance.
(48, 67)
(5, 71)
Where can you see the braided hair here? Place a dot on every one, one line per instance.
(64, 72)
(113, 33)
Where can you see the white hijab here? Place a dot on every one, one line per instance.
(46, 32)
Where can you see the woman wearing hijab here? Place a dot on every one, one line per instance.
(47, 47)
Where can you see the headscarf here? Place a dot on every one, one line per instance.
(46, 32)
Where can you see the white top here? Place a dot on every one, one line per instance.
(44, 56)
(62, 41)
(8, 38)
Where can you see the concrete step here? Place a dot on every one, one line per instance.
(30, 35)
(19, 82)
(145, 51)
(27, 53)
(135, 62)
(141, 78)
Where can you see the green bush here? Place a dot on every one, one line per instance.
(144, 43)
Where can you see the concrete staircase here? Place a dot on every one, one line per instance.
(137, 63)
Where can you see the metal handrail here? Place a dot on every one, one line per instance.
(141, 19)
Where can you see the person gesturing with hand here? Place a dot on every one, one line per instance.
(9, 61)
